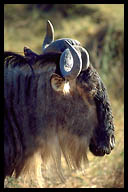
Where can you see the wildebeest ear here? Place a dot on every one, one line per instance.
(59, 84)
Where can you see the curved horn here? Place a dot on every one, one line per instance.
(59, 45)
(84, 56)
(49, 38)
(70, 62)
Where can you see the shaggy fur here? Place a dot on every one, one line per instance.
(40, 120)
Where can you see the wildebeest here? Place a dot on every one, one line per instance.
(54, 103)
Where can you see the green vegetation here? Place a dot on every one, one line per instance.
(100, 29)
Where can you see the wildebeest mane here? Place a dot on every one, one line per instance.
(13, 59)
(19, 60)
(16, 59)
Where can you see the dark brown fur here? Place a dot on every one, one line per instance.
(38, 119)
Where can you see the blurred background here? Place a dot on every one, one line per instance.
(100, 29)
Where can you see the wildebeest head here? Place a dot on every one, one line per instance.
(91, 79)
(53, 111)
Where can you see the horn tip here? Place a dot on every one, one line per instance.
(49, 22)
